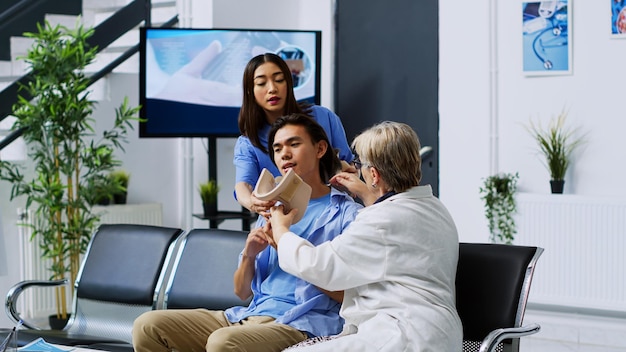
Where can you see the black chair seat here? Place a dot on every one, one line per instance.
(191, 286)
(492, 287)
(120, 278)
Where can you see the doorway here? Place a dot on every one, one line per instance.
(386, 68)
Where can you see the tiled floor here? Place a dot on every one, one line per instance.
(561, 332)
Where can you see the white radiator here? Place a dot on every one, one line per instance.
(142, 214)
(39, 302)
(584, 263)
(34, 302)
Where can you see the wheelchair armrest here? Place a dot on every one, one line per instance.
(496, 336)
(15, 291)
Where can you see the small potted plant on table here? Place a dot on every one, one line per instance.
(208, 192)
(119, 179)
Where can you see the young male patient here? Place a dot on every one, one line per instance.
(284, 309)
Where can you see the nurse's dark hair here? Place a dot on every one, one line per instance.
(251, 115)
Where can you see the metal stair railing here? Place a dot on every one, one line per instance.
(19, 16)
(122, 21)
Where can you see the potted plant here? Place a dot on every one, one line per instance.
(103, 191)
(119, 179)
(70, 161)
(208, 193)
(557, 143)
(498, 193)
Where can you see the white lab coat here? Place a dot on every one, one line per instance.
(397, 264)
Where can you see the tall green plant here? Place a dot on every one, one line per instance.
(70, 161)
(557, 143)
(498, 193)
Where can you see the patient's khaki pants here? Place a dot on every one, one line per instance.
(195, 330)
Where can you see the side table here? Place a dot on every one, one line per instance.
(214, 220)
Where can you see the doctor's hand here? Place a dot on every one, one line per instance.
(280, 222)
(349, 181)
(346, 167)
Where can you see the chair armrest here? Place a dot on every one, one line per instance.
(496, 336)
(14, 293)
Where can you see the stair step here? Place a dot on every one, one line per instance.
(101, 10)
(100, 5)
(163, 3)
(131, 65)
(100, 90)
(121, 44)
(7, 123)
(15, 151)
(68, 21)
(161, 15)
(19, 48)
(5, 71)
(4, 84)
(112, 5)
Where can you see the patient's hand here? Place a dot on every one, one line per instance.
(256, 242)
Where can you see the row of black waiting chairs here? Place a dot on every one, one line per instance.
(131, 269)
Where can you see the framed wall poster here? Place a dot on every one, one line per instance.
(547, 37)
(618, 18)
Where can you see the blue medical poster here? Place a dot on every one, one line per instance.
(547, 37)
(618, 18)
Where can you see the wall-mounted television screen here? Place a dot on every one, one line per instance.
(191, 79)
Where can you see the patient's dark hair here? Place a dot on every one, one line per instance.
(329, 164)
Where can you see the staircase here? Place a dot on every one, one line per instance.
(93, 13)
(116, 24)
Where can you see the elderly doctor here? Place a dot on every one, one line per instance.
(396, 261)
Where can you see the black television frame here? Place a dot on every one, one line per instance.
(183, 116)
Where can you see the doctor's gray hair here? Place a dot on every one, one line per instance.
(393, 148)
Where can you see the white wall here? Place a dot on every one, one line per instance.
(593, 94)
(9, 269)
